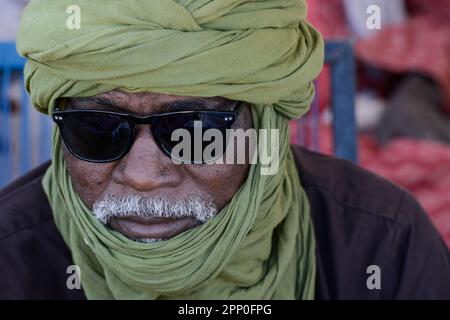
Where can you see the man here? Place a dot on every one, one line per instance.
(115, 206)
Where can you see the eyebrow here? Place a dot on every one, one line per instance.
(180, 105)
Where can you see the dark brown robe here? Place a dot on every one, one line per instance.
(360, 220)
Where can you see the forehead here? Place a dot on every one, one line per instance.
(147, 102)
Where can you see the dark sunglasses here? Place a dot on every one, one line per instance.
(104, 136)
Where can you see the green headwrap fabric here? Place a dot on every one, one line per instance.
(261, 245)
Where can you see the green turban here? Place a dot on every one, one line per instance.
(261, 245)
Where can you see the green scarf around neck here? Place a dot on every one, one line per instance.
(261, 245)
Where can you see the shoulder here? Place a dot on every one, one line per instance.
(23, 203)
(361, 220)
(33, 256)
(348, 185)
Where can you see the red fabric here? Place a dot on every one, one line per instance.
(328, 16)
(422, 167)
(420, 44)
(435, 7)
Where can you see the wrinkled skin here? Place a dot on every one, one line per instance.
(145, 170)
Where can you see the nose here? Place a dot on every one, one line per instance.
(145, 167)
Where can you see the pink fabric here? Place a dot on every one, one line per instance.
(422, 167)
(421, 44)
(328, 17)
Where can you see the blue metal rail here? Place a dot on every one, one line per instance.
(17, 158)
(339, 55)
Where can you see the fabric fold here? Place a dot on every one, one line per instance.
(261, 245)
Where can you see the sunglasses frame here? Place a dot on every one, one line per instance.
(58, 115)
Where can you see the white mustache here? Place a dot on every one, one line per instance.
(112, 207)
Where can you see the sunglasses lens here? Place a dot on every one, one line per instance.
(96, 136)
(194, 150)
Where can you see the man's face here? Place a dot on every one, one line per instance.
(146, 172)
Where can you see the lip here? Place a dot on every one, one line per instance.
(137, 227)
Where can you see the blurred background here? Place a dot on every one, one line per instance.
(383, 99)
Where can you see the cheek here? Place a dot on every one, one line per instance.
(221, 182)
(89, 180)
